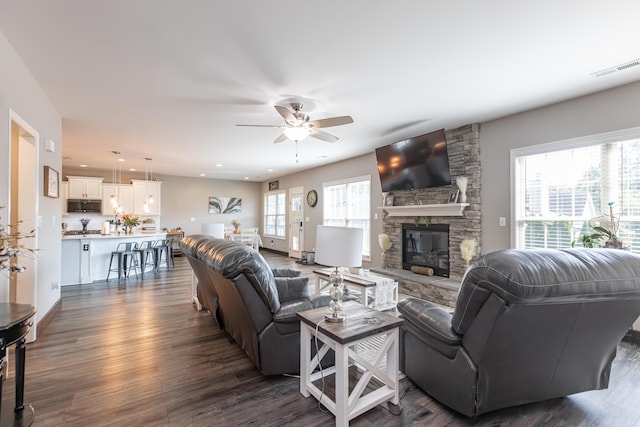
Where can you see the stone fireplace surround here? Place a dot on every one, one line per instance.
(463, 145)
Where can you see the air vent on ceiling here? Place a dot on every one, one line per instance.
(620, 67)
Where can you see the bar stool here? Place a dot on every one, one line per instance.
(147, 256)
(163, 247)
(125, 257)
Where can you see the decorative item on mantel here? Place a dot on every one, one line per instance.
(462, 182)
(10, 247)
(468, 248)
(385, 244)
(235, 224)
(130, 220)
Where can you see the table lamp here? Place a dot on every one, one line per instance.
(338, 247)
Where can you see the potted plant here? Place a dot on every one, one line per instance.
(602, 236)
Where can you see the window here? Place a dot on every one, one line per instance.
(561, 194)
(347, 203)
(275, 209)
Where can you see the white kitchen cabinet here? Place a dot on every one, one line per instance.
(141, 191)
(84, 187)
(64, 195)
(122, 192)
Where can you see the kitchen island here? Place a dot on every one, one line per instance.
(85, 257)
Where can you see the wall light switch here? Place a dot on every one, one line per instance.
(502, 221)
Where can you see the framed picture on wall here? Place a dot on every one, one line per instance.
(51, 182)
(388, 201)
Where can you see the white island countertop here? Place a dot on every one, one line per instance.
(159, 234)
(86, 257)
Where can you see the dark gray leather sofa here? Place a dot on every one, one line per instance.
(528, 325)
(254, 304)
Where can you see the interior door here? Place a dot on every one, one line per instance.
(296, 222)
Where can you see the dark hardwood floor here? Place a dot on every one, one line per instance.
(138, 353)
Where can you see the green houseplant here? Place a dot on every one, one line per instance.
(602, 236)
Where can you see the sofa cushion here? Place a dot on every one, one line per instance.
(292, 288)
(286, 272)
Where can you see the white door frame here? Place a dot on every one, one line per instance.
(296, 222)
(26, 292)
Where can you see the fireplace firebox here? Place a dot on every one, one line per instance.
(426, 246)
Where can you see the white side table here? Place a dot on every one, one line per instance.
(362, 325)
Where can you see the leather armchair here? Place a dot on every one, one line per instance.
(528, 325)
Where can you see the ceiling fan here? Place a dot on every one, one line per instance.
(298, 126)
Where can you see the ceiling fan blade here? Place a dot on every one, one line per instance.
(286, 115)
(281, 138)
(332, 121)
(264, 126)
(323, 135)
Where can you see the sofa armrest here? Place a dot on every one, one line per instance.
(429, 319)
(286, 272)
(292, 288)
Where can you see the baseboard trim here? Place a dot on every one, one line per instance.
(275, 251)
(47, 318)
(632, 336)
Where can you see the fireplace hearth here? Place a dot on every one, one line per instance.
(426, 246)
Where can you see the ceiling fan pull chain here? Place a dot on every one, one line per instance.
(296, 151)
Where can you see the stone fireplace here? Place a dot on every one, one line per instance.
(463, 222)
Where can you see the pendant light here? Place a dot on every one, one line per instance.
(148, 175)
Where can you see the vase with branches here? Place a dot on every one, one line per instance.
(385, 244)
(11, 247)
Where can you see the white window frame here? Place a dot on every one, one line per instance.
(366, 255)
(580, 142)
(283, 214)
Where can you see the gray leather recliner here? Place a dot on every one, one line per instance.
(528, 325)
(255, 304)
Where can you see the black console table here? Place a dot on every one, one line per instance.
(15, 323)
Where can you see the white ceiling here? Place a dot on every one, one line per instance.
(171, 79)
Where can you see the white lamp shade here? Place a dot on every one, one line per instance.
(338, 246)
(214, 230)
(297, 134)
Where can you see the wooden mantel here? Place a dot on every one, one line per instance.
(442, 209)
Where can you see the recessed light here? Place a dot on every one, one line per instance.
(218, 165)
(133, 169)
(84, 166)
(269, 170)
(246, 177)
(121, 160)
(203, 174)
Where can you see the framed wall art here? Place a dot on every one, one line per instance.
(225, 205)
(51, 182)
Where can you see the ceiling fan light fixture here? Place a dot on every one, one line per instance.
(297, 134)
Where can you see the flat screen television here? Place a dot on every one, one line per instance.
(418, 162)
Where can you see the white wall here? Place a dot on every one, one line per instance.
(20, 93)
(605, 111)
(185, 198)
(312, 179)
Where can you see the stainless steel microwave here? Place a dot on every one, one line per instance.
(84, 206)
